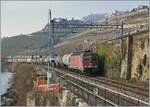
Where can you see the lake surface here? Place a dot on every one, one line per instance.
(5, 81)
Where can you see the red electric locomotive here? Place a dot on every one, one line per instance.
(87, 62)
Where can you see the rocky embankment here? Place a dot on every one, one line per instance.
(23, 93)
(9, 98)
(64, 98)
(43, 98)
(22, 82)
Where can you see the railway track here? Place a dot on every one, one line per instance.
(117, 84)
(115, 97)
(128, 87)
(105, 82)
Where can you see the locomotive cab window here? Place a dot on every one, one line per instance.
(89, 57)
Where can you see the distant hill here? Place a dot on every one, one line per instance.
(94, 18)
(21, 44)
(36, 40)
(17, 44)
(39, 39)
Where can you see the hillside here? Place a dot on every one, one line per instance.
(67, 40)
(18, 44)
(76, 40)
(133, 21)
(38, 40)
(135, 26)
(94, 18)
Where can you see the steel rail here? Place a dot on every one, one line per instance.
(102, 87)
(117, 84)
(102, 98)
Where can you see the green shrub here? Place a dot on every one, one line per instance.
(109, 61)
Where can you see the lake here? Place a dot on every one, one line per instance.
(5, 81)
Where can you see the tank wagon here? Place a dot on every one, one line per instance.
(66, 60)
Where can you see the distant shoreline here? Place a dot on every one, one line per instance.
(7, 94)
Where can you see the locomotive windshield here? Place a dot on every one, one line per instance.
(89, 57)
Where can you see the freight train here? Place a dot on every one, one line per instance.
(86, 62)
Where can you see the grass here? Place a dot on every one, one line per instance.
(110, 61)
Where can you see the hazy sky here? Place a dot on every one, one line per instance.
(30, 16)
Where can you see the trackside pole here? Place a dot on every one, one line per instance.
(47, 75)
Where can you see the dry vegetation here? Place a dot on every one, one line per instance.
(23, 82)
